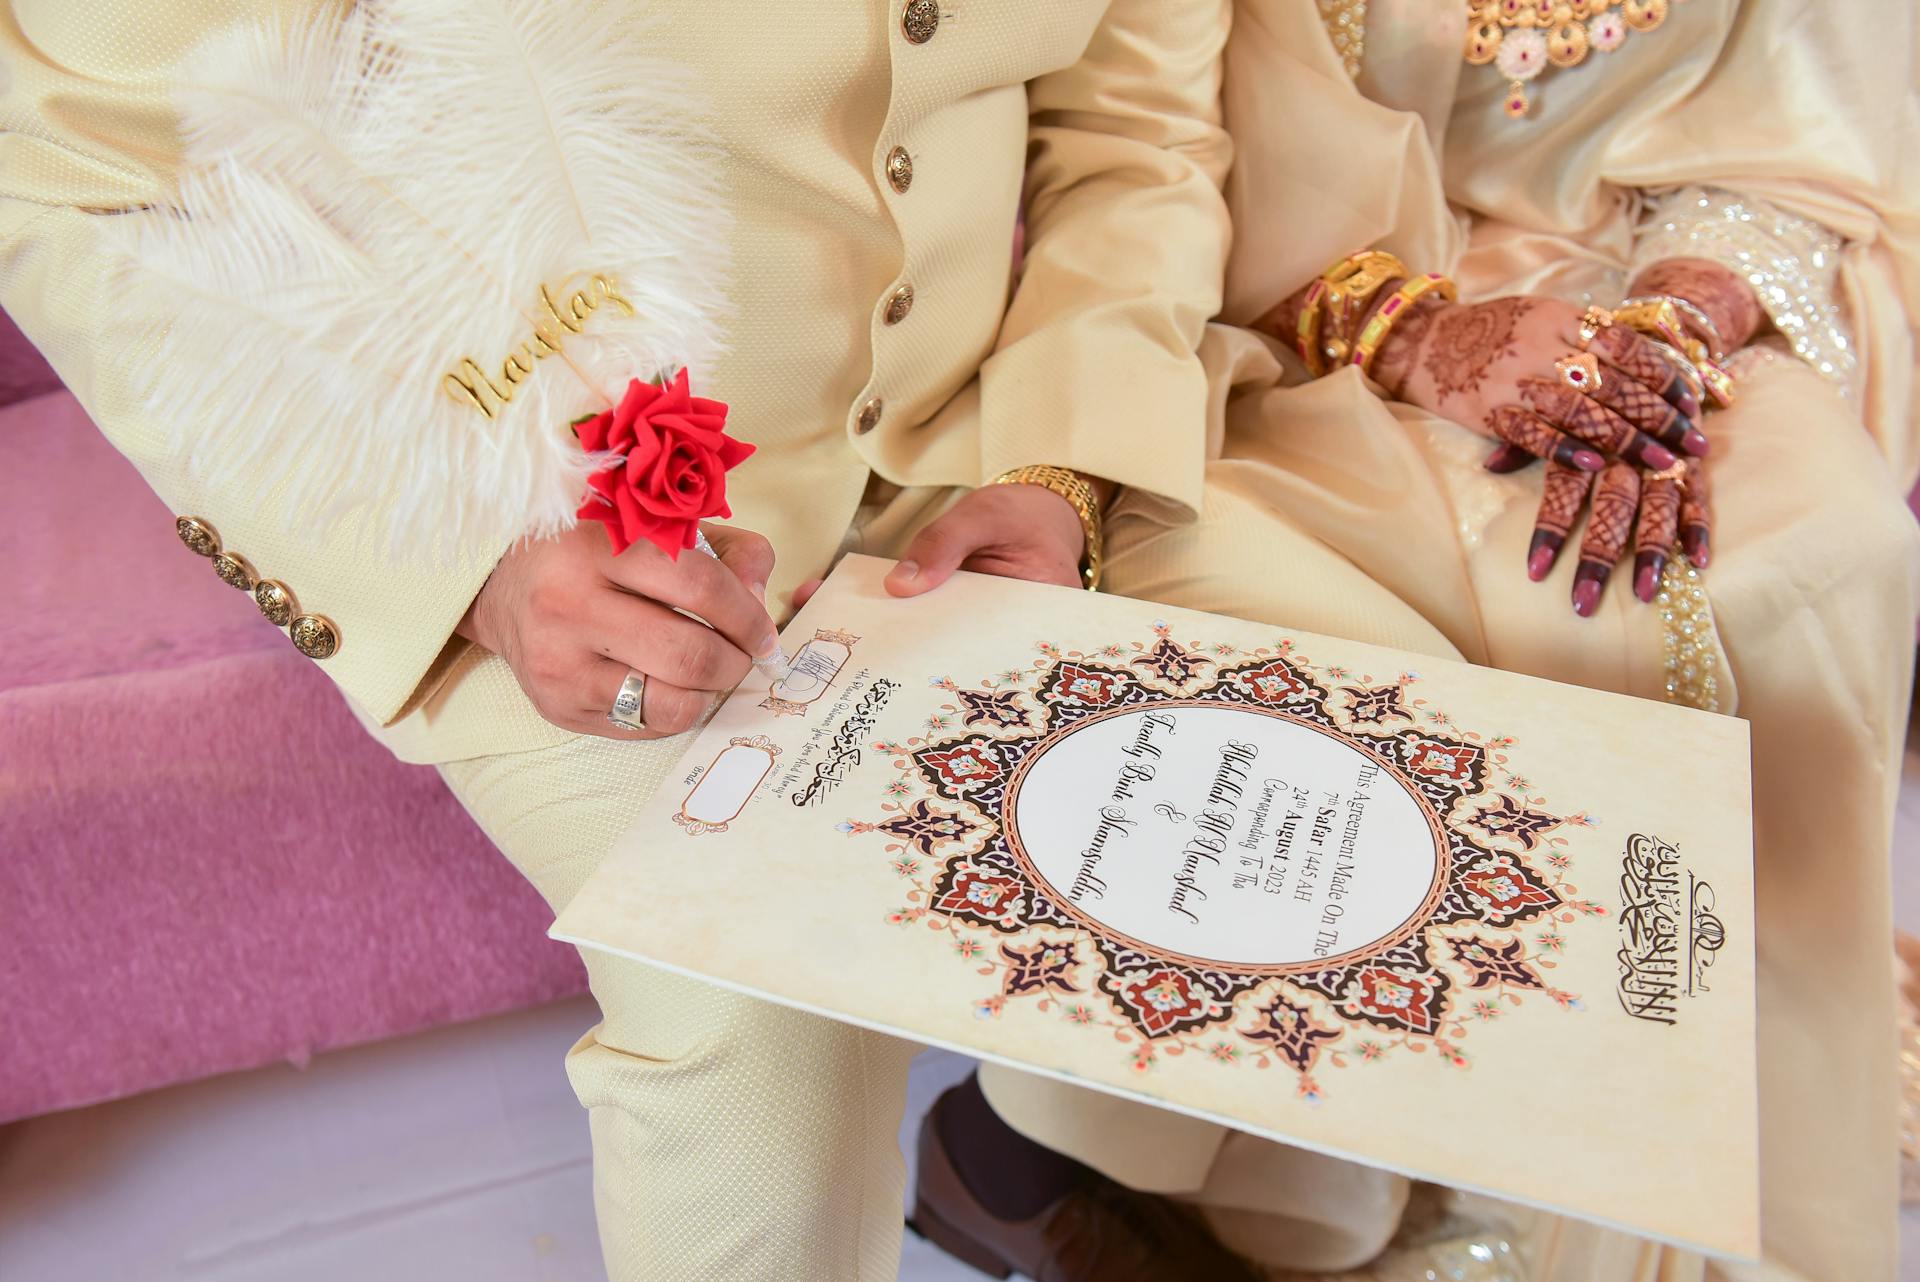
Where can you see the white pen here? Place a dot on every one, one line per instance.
(774, 665)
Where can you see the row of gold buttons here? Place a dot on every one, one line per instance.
(918, 22)
(313, 634)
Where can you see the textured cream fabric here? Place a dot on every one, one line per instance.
(732, 1139)
(1375, 521)
(1117, 100)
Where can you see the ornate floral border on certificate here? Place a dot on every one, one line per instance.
(1487, 940)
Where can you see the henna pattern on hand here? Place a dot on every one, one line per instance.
(1659, 522)
(1517, 425)
(1616, 500)
(1633, 355)
(1652, 413)
(1395, 359)
(1659, 514)
(1468, 341)
(1581, 418)
(1696, 516)
(1716, 290)
(1560, 503)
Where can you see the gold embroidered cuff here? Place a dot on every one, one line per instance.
(1792, 264)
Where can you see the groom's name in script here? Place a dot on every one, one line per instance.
(1210, 828)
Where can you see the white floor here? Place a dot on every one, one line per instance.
(458, 1155)
(455, 1156)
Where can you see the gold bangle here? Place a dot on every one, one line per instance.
(1654, 317)
(1072, 487)
(1352, 284)
(1375, 331)
(1334, 303)
(1657, 318)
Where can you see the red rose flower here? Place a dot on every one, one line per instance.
(671, 473)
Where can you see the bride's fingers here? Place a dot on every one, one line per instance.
(1696, 514)
(1616, 498)
(1507, 458)
(1560, 503)
(1641, 358)
(1586, 419)
(1649, 411)
(1524, 430)
(1659, 524)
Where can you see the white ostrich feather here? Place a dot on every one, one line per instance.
(371, 197)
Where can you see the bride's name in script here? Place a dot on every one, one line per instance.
(1141, 766)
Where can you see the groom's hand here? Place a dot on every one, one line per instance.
(1015, 531)
(571, 619)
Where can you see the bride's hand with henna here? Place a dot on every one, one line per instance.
(1491, 367)
(1620, 444)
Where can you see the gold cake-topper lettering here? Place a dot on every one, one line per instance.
(470, 384)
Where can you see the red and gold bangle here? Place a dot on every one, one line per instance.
(1336, 302)
(1375, 331)
(1307, 336)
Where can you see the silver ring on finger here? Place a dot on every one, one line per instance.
(629, 709)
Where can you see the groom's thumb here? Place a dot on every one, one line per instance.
(935, 553)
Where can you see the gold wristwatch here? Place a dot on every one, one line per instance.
(1072, 487)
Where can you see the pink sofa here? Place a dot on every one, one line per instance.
(205, 863)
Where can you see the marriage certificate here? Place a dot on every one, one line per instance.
(1475, 927)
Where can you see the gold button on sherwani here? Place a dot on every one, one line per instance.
(233, 570)
(920, 19)
(202, 538)
(899, 304)
(870, 415)
(314, 636)
(900, 169)
(275, 601)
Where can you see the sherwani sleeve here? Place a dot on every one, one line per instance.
(1096, 367)
(88, 136)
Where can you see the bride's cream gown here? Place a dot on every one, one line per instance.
(1375, 521)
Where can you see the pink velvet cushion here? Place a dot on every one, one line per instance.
(205, 863)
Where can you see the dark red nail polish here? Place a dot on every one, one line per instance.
(1588, 461)
(1657, 457)
(1695, 443)
(1646, 575)
(1507, 458)
(1587, 584)
(1540, 558)
(1681, 397)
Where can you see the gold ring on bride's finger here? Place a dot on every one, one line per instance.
(1579, 370)
(1592, 321)
(1674, 471)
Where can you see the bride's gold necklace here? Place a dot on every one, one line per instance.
(1525, 37)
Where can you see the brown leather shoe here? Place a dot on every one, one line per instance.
(1100, 1232)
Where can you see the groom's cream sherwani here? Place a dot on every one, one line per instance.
(874, 154)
